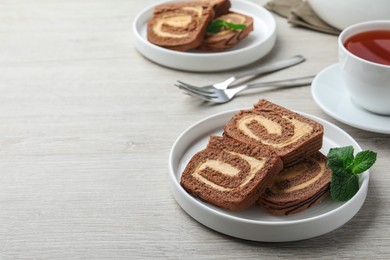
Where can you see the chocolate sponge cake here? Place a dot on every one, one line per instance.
(227, 38)
(220, 6)
(292, 136)
(179, 26)
(230, 174)
(298, 187)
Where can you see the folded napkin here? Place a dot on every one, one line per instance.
(299, 12)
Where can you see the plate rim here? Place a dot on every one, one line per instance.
(175, 184)
(321, 103)
(144, 46)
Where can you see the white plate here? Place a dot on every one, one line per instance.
(330, 93)
(257, 45)
(254, 223)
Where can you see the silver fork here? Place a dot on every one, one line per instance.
(278, 65)
(225, 95)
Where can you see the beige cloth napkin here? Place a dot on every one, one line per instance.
(299, 12)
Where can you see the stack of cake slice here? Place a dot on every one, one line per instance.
(304, 180)
(182, 26)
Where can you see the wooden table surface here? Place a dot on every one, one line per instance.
(86, 126)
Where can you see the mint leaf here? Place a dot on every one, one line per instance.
(343, 186)
(340, 158)
(345, 169)
(236, 26)
(215, 26)
(218, 24)
(363, 161)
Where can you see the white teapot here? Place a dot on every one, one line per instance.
(343, 13)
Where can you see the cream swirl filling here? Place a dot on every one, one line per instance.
(197, 9)
(229, 170)
(174, 21)
(295, 171)
(300, 129)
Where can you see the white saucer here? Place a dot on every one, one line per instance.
(330, 94)
(254, 223)
(257, 45)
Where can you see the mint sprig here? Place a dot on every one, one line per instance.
(218, 24)
(345, 170)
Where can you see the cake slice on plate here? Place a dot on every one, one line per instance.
(230, 174)
(298, 187)
(228, 38)
(179, 26)
(292, 136)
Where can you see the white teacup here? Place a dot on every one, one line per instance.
(368, 83)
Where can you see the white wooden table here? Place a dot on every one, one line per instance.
(86, 126)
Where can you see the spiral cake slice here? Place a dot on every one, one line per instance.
(292, 136)
(230, 174)
(298, 187)
(227, 38)
(179, 26)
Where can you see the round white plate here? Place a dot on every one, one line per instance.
(254, 223)
(330, 93)
(255, 46)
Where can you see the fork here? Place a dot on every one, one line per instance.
(225, 95)
(278, 65)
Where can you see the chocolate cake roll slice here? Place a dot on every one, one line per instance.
(230, 174)
(292, 136)
(179, 26)
(298, 187)
(220, 6)
(227, 38)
